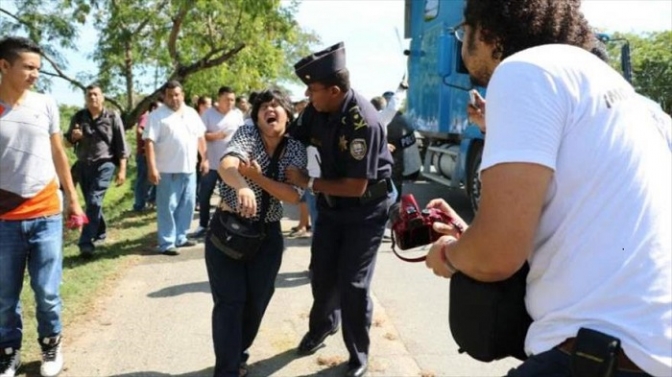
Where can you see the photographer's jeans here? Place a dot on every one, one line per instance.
(39, 244)
(555, 363)
(175, 198)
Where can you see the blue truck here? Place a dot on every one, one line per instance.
(438, 94)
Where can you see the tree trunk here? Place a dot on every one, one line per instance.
(128, 71)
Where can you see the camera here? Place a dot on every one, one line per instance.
(412, 227)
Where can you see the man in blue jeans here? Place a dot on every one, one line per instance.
(97, 134)
(32, 163)
(173, 137)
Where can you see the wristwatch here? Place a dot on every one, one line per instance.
(311, 181)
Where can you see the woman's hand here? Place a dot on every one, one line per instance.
(250, 169)
(247, 202)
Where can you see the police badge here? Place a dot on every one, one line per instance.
(358, 149)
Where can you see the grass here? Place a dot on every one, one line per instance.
(129, 235)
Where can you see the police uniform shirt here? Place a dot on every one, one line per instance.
(351, 143)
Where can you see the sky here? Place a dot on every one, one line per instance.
(369, 30)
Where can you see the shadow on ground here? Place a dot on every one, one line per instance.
(283, 280)
(276, 363)
(208, 372)
(177, 290)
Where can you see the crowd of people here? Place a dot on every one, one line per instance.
(587, 178)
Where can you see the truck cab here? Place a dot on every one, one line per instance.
(438, 95)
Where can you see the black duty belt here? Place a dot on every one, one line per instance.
(374, 192)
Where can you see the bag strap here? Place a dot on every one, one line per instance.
(273, 174)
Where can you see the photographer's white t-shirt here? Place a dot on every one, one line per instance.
(602, 255)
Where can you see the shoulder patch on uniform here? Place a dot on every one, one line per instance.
(356, 117)
(358, 149)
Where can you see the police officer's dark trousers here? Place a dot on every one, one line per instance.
(343, 256)
(241, 292)
(95, 179)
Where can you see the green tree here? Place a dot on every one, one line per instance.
(244, 43)
(651, 56)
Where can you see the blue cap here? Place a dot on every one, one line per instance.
(322, 64)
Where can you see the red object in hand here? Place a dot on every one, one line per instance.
(76, 221)
(413, 227)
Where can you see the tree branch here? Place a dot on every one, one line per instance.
(145, 22)
(61, 74)
(206, 63)
(175, 31)
(2, 10)
(22, 22)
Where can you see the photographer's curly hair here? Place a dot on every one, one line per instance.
(515, 25)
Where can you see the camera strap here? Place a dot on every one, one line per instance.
(405, 259)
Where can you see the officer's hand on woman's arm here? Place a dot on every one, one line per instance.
(297, 177)
(280, 190)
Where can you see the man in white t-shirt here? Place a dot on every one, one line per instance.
(33, 166)
(576, 180)
(173, 137)
(221, 122)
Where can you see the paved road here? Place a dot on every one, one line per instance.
(156, 320)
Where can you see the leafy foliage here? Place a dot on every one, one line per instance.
(246, 44)
(651, 64)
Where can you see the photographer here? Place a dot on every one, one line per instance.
(582, 193)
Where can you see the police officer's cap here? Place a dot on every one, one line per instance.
(322, 64)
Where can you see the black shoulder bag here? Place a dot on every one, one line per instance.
(489, 321)
(237, 237)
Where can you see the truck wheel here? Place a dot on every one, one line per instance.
(473, 179)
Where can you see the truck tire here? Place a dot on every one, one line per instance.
(473, 179)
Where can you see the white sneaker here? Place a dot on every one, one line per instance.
(52, 356)
(10, 361)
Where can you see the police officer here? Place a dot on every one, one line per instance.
(354, 194)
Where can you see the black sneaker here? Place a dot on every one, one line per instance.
(200, 232)
(187, 243)
(86, 251)
(310, 344)
(10, 361)
(52, 356)
(171, 251)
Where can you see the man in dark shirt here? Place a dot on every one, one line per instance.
(354, 196)
(97, 135)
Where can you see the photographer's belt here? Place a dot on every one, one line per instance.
(623, 363)
(374, 192)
